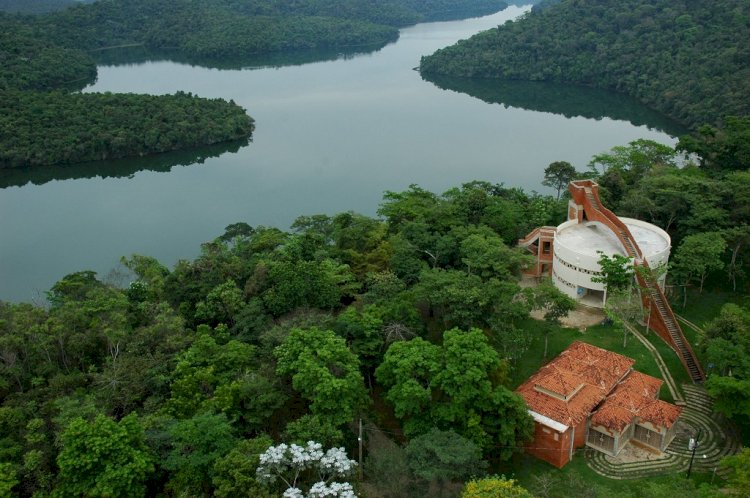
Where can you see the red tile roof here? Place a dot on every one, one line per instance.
(583, 377)
(597, 369)
(641, 383)
(660, 413)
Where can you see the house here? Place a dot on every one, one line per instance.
(588, 396)
(570, 254)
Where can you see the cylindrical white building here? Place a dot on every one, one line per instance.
(576, 247)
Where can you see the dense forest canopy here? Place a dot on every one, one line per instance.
(53, 52)
(42, 128)
(38, 6)
(42, 123)
(687, 59)
(226, 27)
(30, 62)
(180, 379)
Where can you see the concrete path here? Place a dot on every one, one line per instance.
(665, 374)
(719, 438)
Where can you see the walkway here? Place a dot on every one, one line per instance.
(665, 374)
(719, 438)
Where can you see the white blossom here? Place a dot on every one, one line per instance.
(286, 462)
(332, 490)
(293, 493)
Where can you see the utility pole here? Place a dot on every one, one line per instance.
(693, 445)
(359, 439)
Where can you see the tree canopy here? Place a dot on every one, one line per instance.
(685, 59)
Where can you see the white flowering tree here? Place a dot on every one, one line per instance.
(295, 465)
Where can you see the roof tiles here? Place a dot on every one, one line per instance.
(583, 377)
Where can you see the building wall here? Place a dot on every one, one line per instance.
(579, 440)
(658, 258)
(546, 447)
(570, 266)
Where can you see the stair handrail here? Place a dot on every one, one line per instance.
(535, 233)
(669, 315)
(590, 201)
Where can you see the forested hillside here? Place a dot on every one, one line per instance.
(38, 6)
(41, 123)
(53, 52)
(687, 59)
(230, 28)
(176, 381)
(30, 62)
(42, 128)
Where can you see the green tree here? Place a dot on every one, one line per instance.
(700, 254)
(313, 428)
(363, 331)
(407, 374)
(197, 444)
(616, 271)
(732, 395)
(494, 487)
(455, 386)
(558, 174)
(103, 458)
(234, 473)
(624, 307)
(554, 303)
(459, 298)
(324, 372)
(444, 456)
(485, 254)
(635, 159)
(8, 479)
(224, 378)
(726, 148)
(738, 468)
(221, 305)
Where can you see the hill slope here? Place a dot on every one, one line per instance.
(687, 59)
(230, 28)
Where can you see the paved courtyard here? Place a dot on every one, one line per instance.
(718, 439)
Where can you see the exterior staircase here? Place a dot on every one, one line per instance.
(539, 243)
(719, 438)
(662, 320)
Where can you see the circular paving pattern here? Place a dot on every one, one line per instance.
(718, 438)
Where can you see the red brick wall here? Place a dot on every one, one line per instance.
(545, 447)
(580, 437)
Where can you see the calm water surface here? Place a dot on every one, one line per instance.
(330, 136)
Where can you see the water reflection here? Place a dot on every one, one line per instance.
(139, 54)
(117, 168)
(567, 100)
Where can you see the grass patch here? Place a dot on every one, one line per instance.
(606, 337)
(702, 308)
(577, 479)
(675, 366)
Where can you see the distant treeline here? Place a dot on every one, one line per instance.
(39, 128)
(689, 60)
(32, 63)
(52, 52)
(229, 28)
(38, 6)
(42, 124)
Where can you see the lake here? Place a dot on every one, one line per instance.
(331, 135)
